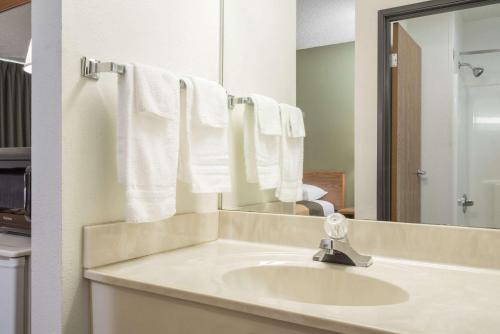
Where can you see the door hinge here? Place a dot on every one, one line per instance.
(394, 60)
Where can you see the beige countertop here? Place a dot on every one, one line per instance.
(440, 298)
(14, 245)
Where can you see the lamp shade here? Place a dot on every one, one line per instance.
(27, 63)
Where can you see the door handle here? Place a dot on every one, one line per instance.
(464, 202)
(27, 193)
(420, 172)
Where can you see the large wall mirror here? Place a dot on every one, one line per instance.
(439, 116)
(439, 98)
(298, 55)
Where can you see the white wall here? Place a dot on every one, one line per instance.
(15, 25)
(481, 33)
(46, 238)
(74, 128)
(259, 57)
(365, 106)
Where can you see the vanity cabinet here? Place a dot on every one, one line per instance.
(117, 310)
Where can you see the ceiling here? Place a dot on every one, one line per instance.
(480, 13)
(324, 22)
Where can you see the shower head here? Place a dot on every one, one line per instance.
(476, 71)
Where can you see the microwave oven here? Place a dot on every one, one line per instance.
(15, 188)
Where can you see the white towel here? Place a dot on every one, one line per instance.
(292, 154)
(261, 133)
(204, 150)
(210, 103)
(148, 142)
(268, 112)
(156, 90)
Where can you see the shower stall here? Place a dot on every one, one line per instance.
(478, 132)
(459, 177)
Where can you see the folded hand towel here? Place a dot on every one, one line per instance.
(292, 154)
(210, 103)
(156, 90)
(148, 143)
(267, 111)
(261, 132)
(296, 128)
(204, 156)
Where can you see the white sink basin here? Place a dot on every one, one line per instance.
(328, 286)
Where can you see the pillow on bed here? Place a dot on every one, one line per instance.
(311, 193)
(328, 208)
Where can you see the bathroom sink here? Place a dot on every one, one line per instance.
(328, 286)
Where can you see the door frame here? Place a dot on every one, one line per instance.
(385, 18)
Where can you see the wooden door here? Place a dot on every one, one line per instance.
(405, 127)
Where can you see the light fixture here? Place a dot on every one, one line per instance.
(487, 120)
(27, 63)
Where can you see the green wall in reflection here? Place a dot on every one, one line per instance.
(325, 92)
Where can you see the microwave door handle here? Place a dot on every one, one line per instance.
(27, 191)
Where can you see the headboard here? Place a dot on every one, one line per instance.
(330, 181)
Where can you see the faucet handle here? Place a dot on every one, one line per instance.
(335, 226)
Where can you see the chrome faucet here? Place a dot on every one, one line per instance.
(336, 248)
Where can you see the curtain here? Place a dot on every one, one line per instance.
(15, 105)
